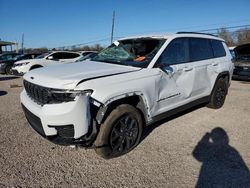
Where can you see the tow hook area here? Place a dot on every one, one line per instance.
(87, 140)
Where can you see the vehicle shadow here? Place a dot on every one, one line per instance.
(8, 78)
(3, 93)
(147, 130)
(222, 165)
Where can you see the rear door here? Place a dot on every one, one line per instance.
(202, 61)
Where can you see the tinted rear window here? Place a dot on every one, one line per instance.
(218, 48)
(200, 49)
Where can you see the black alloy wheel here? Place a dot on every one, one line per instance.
(219, 93)
(8, 70)
(124, 134)
(120, 132)
(220, 96)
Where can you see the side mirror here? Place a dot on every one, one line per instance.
(50, 58)
(161, 66)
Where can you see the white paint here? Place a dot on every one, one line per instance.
(161, 90)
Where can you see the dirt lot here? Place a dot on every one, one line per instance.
(168, 156)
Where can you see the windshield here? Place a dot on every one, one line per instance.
(42, 56)
(131, 52)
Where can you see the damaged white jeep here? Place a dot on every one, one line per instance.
(104, 103)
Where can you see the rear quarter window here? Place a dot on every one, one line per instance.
(218, 48)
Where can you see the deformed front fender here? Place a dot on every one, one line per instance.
(141, 104)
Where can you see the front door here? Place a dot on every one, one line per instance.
(178, 75)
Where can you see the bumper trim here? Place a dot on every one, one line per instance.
(62, 138)
(34, 121)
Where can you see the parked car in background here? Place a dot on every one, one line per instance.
(84, 53)
(231, 49)
(46, 59)
(6, 66)
(8, 56)
(242, 62)
(4, 59)
(89, 56)
(105, 103)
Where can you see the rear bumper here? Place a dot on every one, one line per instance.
(64, 123)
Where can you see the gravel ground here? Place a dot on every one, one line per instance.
(177, 152)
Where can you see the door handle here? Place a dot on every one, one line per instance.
(186, 69)
(214, 64)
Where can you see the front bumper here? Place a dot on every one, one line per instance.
(20, 70)
(16, 73)
(65, 123)
(241, 73)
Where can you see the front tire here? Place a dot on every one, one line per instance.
(120, 132)
(219, 93)
(8, 70)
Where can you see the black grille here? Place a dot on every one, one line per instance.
(39, 94)
(34, 121)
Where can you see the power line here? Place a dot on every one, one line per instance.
(112, 37)
(233, 27)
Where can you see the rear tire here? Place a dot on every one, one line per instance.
(219, 93)
(120, 132)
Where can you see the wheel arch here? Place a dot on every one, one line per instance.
(35, 66)
(135, 99)
(224, 75)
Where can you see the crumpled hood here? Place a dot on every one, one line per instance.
(67, 76)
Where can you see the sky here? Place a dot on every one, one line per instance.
(56, 23)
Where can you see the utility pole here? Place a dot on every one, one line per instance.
(22, 42)
(113, 26)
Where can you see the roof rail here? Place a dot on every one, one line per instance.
(183, 32)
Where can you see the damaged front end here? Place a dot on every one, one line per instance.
(61, 116)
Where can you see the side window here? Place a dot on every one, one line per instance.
(86, 53)
(218, 48)
(175, 53)
(58, 55)
(200, 49)
(70, 55)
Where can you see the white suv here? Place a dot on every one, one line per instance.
(46, 59)
(104, 103)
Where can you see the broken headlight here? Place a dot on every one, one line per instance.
(67, 95)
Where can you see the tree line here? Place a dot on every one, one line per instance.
(235, 38)
(96, 47)
(232, 38)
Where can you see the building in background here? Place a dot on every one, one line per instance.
(8, 46)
